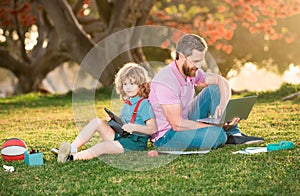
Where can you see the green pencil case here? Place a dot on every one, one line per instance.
(282, 145)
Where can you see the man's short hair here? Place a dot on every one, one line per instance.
(188, 43)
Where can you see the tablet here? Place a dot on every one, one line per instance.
(114, 116)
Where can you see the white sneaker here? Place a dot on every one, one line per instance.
(64, 152)
(54, 150)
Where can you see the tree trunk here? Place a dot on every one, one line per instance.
(63, 39)
(28, 83)
(126, 14)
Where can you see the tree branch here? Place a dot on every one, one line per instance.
(146, 8)
(94, 27)
(11, 62)
(20, 34)
(77, 6)
(86, 19)
(104, 10)
(42, 29)
(172, 18)
(118, 15)
(74, 41)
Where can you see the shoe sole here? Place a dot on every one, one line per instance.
(254, 142)
(54, 151)
(63, 152)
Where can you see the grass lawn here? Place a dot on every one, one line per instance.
(46, 121)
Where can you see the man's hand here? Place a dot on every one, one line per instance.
(229, 125)
(219, 111)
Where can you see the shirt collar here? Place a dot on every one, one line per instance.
(133, 100)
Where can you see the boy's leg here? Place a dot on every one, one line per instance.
(105, 147)
(95, 125)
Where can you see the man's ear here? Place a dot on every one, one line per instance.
(180, 58)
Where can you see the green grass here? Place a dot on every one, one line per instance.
(46, 121)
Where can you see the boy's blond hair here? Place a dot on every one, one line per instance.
(133, 72)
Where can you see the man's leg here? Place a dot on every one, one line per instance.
(204, 138)
(204, 105)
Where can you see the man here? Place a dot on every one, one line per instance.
(176, 109)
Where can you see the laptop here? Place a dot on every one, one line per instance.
(236, 108)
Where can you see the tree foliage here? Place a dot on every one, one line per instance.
(249, 29)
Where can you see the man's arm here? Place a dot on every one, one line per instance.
(225, 90)
(174, 116)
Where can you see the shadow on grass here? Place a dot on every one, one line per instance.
(38, 100)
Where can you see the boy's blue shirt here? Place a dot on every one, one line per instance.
(144, 112)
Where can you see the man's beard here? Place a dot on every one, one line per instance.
(191, 72)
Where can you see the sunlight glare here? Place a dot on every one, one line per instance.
(86, 12)
(2, 38)
(253, 79)
(232, 73)
(292, 75)
(31, 37)
(250, 66)
(15, 36)
(45, 43)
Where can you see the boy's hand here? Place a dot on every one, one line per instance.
(128, 127)
(107, 117)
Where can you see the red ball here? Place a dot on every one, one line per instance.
(152, 153)
(13, 149)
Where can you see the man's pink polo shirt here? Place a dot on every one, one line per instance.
(170, 87)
